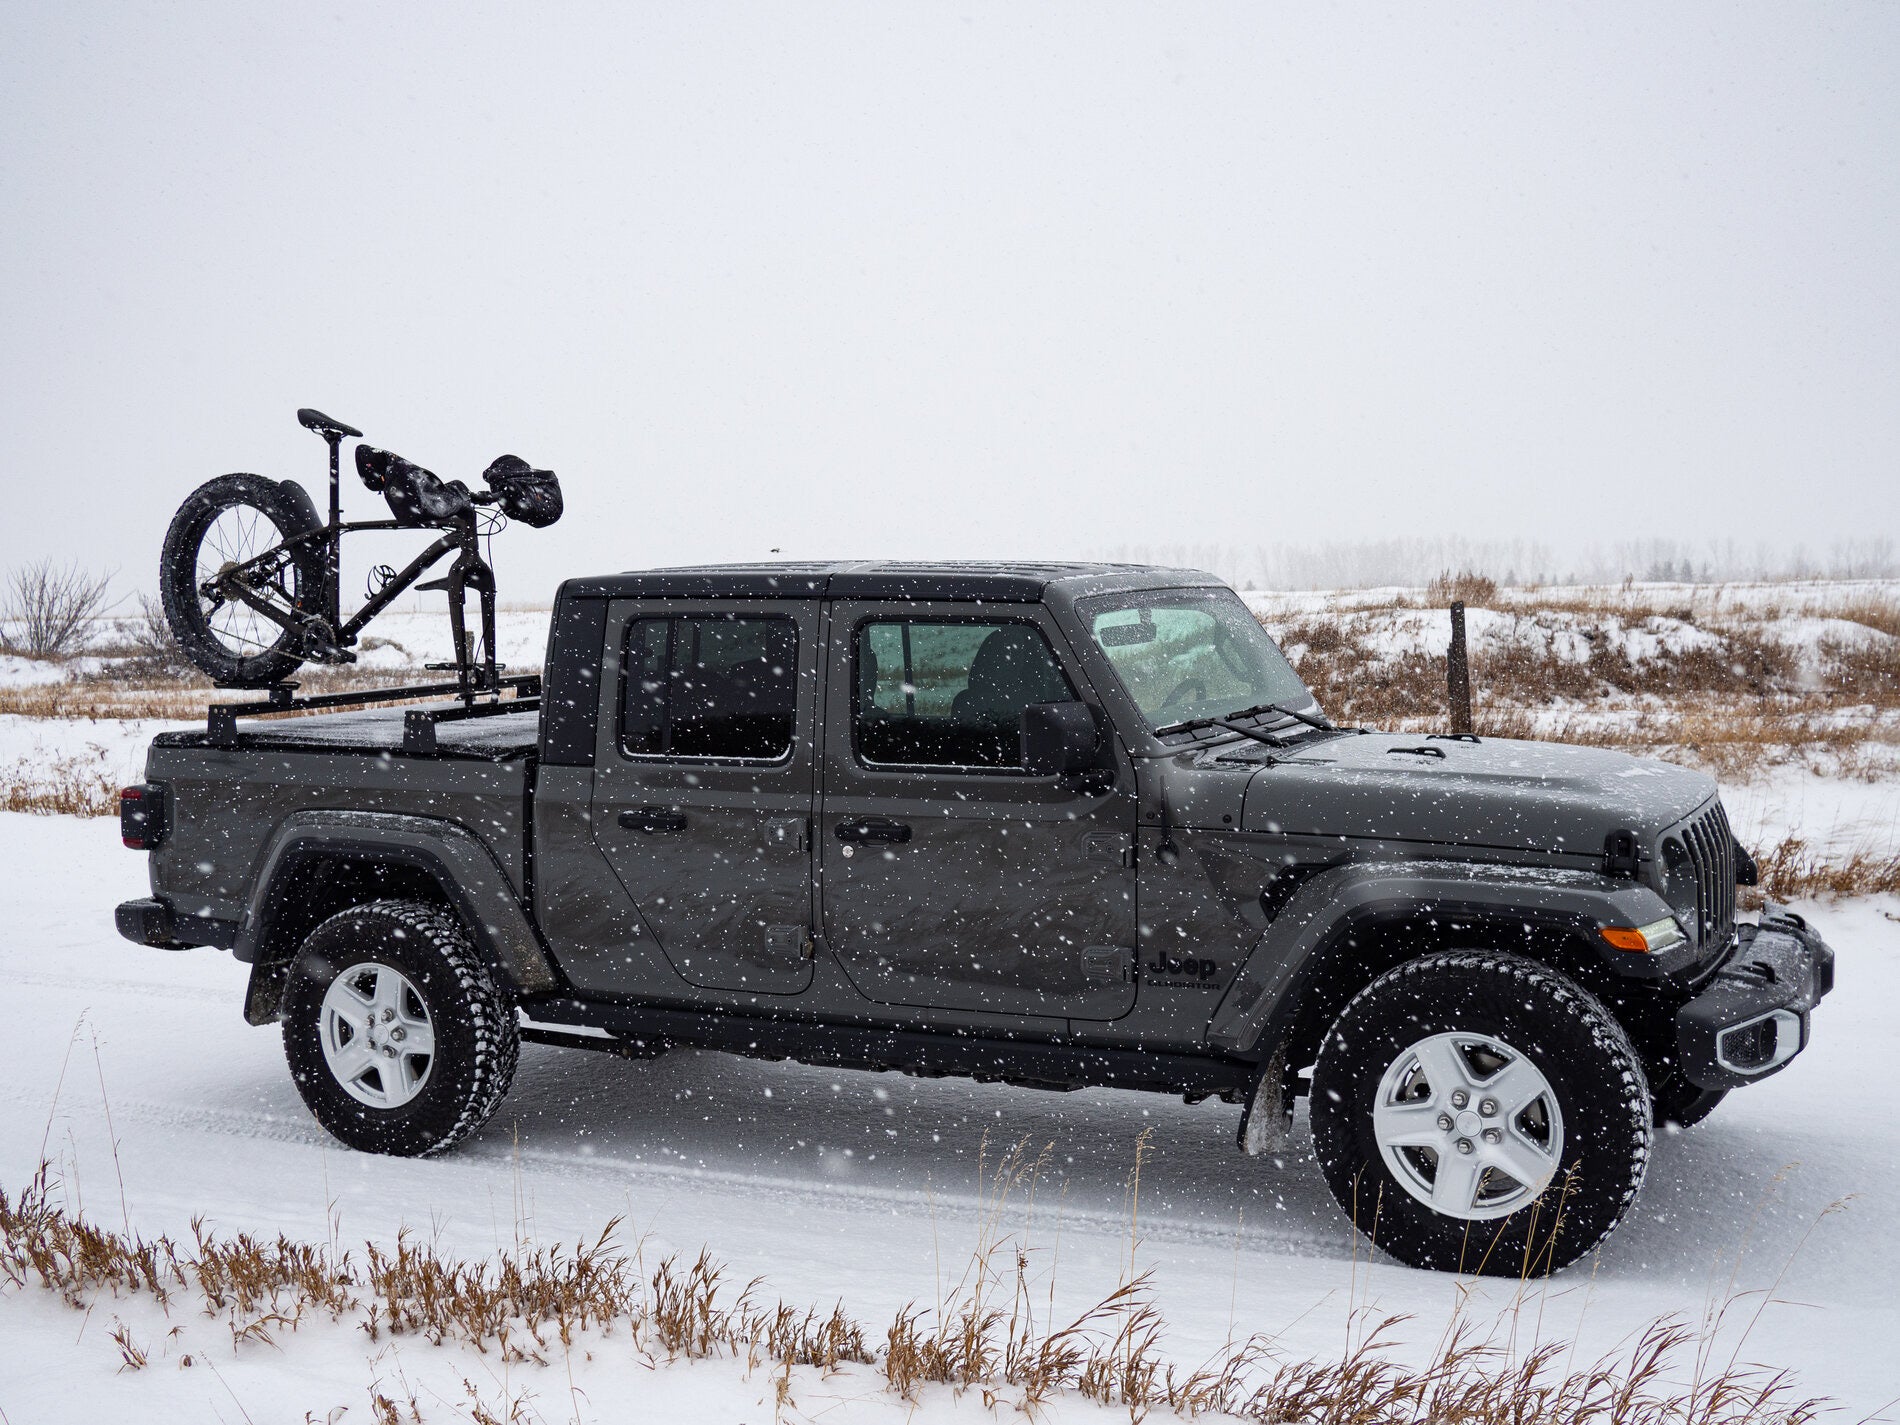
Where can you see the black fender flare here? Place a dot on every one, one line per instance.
(472, 882)
(1294, 948)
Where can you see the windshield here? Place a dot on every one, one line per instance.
(1188, 653)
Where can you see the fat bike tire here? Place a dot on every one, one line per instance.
(221, 520)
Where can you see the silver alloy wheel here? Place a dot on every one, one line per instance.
(376, 1035)
(1468, 1125)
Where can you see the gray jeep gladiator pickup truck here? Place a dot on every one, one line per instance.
(1050, 825)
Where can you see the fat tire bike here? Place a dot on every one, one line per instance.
(249, 574)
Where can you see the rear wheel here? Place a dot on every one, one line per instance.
(226, 523)
(397, 1038)
(1481, 1113)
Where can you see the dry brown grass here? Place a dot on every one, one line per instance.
(1464, 587)
(1882, 615)
(987, 1337)
(1793, 870)
(1749, 699)
(1750, 705)
(66, 786)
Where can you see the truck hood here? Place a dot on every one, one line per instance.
(1530, 796)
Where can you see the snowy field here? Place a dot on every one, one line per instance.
(131, 1071)
(846, 1186)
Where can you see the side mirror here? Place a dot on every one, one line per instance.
(1059, 738)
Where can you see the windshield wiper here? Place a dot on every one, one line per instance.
(1229, 722)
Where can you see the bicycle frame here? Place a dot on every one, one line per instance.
(469, 570)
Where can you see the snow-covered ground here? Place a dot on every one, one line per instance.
(1640, 622)
(838, 1185)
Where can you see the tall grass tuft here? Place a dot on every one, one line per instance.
(986, 1337)
(1465, 587)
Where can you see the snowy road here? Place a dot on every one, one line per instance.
(865, 1187)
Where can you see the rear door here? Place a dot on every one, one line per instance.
(951, 879)
(704, 783)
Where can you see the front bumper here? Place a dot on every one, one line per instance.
(1752, 1018)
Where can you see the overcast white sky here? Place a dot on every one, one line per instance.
(960, 280)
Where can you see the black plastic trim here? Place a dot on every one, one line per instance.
(857, 1046)
(570, 697)
(523, 967)
(152, 922)
(1783, 964)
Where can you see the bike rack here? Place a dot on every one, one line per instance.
(418, 724)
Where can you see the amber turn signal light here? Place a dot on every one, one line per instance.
(1651, 939)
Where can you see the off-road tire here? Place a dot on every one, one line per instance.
(477, 1040)
(1584, 1055)
(290, 510)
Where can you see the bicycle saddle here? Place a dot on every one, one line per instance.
(325, 426)
(417, 497)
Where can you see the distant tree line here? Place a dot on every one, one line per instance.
(1415, 561)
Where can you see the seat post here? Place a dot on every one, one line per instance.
(333, 545)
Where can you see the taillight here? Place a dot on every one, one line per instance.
(142, 816)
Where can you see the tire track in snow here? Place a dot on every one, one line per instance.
(38, 980)
(492, 1150)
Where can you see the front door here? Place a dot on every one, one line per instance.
(950, 878)
(703, 785)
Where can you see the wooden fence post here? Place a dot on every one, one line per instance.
(1458, 671)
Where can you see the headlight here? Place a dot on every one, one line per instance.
(1651, 939)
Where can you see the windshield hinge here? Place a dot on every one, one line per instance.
(1621, 855)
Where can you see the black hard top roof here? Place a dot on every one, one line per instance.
(881, 579)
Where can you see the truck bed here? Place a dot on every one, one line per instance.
(377, 731)
(226, 802)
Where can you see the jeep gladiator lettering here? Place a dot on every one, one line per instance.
(1049, 825)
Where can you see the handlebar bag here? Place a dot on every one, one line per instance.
(418, 498)
(526, 494)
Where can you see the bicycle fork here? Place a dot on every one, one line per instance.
(470, 571)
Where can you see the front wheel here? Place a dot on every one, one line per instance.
(241, 522)
(1481, 1113)
(397, 1038)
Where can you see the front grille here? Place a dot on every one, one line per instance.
(1711, 849)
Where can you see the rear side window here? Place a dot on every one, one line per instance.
(713, 686)
(950, 694)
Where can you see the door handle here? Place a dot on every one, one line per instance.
(651, 819)
(870, 828)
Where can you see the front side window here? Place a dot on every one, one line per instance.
(950, 694)
(713, 686)
(1188, 653)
